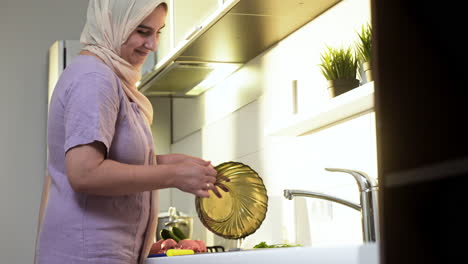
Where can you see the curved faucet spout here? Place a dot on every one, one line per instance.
(290, 194)
(364, 182)
(368, 201)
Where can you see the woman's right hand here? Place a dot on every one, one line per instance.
(194, 176)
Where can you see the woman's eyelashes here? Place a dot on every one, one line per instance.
(145, 32)
(161, 29)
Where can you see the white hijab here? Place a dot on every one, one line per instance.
(109, 24)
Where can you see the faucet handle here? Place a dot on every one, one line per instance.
(364, 182)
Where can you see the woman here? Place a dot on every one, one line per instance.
(102, 166)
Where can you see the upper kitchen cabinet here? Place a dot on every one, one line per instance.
(188, 14)
(182, 18)
(211, 43)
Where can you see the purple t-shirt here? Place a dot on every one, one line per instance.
(89, 104)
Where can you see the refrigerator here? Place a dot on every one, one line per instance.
(61, 53)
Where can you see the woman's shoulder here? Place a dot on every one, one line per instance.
(85, 69)
(87, 75)
(86, 64)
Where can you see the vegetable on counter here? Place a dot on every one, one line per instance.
(163, 245)
(178, 233)
(176, 239)
(263, 244)
(175, 234)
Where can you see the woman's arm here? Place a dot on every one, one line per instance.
(88, 171)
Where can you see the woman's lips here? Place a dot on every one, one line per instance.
(142, 53)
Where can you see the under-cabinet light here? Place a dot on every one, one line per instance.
(221, 71)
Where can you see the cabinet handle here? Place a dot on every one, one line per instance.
(195, 30)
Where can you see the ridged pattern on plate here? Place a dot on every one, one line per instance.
(242, 209)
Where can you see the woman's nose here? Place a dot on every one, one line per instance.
(150, 44)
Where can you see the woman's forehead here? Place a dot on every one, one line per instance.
(155, 19)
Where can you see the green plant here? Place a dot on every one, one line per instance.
(263, 244)
(364, 43)
(168, 234)
(339, 63)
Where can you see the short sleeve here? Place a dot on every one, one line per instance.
(91, 107)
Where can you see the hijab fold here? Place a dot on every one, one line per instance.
(108, 25)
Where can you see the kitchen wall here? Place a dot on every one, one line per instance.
(27, 29)
(234, 121)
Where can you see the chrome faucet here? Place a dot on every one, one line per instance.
(368, 201)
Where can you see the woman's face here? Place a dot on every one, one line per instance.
(144, 39)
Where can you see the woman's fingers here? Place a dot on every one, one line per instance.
(211, 171)
(199, 161)
(206, 186)
(199, 177)
(202, 193)
(222, 186)
(209, 179)
(216, 192)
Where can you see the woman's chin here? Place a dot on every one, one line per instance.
(138, 62)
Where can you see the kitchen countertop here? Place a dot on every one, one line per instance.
(360, 254)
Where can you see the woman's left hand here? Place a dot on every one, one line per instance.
(174, 158)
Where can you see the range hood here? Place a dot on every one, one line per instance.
(234, 34)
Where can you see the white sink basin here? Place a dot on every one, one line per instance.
(364, 254)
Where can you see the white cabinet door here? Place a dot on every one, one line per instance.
(188, 14)
(183, 18)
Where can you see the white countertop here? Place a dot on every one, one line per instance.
(364, 254)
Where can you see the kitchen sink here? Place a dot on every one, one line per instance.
(358, 254)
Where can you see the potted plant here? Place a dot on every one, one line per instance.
(339, 67)
(364, 49)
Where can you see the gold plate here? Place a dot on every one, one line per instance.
(241, 210)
